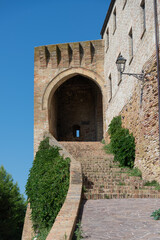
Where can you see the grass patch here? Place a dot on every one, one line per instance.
(135, 172)
(153, 183)
(108, 149)
(78, 233)
(84, 189)
(121, 184)
(131, 171)
(42, 235)
(106, 196)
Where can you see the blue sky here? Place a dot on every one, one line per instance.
(25, 24)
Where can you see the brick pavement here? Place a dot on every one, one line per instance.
(120, 219)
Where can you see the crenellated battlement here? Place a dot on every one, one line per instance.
(87, 54)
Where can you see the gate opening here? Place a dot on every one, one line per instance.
(76, 131)
(75, 112)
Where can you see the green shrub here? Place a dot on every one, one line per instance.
(47, 186)
(122, 143)
(156, 214)
(115, 125)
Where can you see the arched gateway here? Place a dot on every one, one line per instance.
(75, 111)
(70, 93)
(74, 100)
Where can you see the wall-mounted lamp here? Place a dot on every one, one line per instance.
(121, 62)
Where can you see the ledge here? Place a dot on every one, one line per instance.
(64, 225)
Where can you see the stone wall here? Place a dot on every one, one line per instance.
(28, 232)
(140, 116)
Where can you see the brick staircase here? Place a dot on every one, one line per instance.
(102, 178)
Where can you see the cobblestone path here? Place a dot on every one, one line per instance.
(120, 219)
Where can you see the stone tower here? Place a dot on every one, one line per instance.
(70, 92)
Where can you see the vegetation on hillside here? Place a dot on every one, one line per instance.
(47, 186)
(12, 208)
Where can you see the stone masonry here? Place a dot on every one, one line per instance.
(140, 115)
(137, 103)
(54, 64)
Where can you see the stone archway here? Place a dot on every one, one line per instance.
(75, 112)
(62, 99)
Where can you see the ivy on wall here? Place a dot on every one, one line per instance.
(47, 185)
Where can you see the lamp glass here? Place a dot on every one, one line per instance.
(121, 61)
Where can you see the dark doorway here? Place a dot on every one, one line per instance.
(76, 111)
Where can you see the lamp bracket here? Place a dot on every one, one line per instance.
(139, 76)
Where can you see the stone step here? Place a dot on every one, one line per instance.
(96, 196)
(102, 177)
(110, 178)
(121, 188)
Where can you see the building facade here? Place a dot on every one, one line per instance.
(129, 30)
(78, 90)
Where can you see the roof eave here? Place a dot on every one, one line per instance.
(107, 17)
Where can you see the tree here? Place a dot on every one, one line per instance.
(12, 208)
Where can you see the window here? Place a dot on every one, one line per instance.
(119, 74)
(110, 88)
(143, 17)
(76, 131)
(124, 4)
(107, 39)
(130, 35)
(114, 21)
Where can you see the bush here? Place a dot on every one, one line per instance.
(47, 185)
(122, 143)
(12, 208)
(156, 214)
(115, 125)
